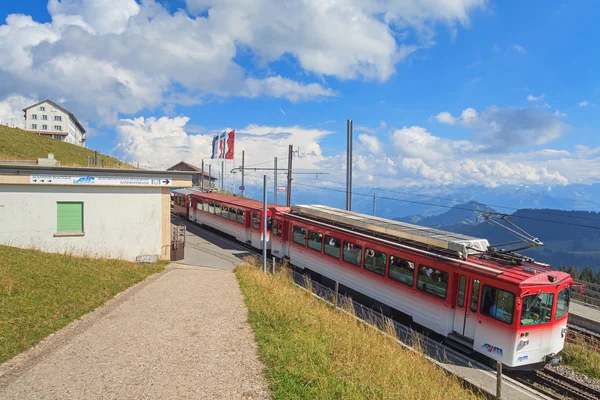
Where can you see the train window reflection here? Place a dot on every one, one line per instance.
(332, 246)
(475, 295)
(277, 228)
(300, 235)
(537, 309)
(205, 206)
(232, 214)
(352, 253)
(211, 208)
(217, 209)
(375, 261)
(401, 270)
(315, 240)
(433, 281)
(256, 221)
(240, 216)
(461, 290)
(562, 304)
(497, 304)
(225, 212)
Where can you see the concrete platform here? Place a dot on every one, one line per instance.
(584, 315)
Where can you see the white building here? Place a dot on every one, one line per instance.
(97, 212)
(48, 118)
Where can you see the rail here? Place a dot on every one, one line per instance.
(18, 161)
(586, 292)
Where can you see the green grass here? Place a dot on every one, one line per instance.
(582, 355)
(17, 144)
(313, 351)
(41, 293)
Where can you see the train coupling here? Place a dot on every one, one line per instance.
(553, 359)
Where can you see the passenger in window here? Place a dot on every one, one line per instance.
(332, 242)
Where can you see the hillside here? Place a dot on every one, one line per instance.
(460, 214)
(17, 144)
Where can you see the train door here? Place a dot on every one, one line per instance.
(467, 300)
(248, 226)
(277, 238)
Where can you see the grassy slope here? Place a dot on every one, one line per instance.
(583, 355)
(41, 293)
(17, 144)
(312, 351)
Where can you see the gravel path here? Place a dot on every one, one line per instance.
(181, 334)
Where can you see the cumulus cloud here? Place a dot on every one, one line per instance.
(11, 110)
(583, 103)
(371, 142)
(535, 98)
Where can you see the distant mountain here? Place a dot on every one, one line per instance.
(460, 214)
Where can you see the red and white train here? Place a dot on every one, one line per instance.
(508, 308)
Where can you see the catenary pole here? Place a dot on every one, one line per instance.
(210, 176)
(243, 158)
(349, 167)
(222, 175)
(374, 203)
(202, 178)
(264, 224)
(288, 195)
(275, 181)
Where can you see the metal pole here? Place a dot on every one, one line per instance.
(243, 156)
(288, 195)
(349, 167)
(202, 179)
(264, 224)
(222, 175)
(210, 176)
(374, 203)
(273, 264)
(275, 182)
(498, 380)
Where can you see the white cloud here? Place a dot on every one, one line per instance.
(535, 98)
(371, 142)
(11, 110)
(445, 118)
(279, 87)
(519, 49)
(583, 103)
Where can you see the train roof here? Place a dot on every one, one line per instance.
(184, 191)
(462, 245)
(240, 201)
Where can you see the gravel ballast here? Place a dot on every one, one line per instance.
(181, 334)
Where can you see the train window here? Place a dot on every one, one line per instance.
(199, 204)
(217, 209)
(352, 253)
(562, 304)
(475, 295)
(537, 309)
(433, 281)
(205, 205)
(211, 208)
(498, 304)
(240, 216)
(277, 228)
(315, 240)
(300, 235)
(332, 246)
(375, 261)
(462, 283)
(401, 270)
(232, 214)
(256, 220)
(225, 212)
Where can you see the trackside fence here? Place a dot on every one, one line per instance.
(586, 292)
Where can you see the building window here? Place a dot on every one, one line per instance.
(33, 116)
(57, 128)
(352, 253)
(44, 127)
(69, 217)
(433, 281)
(42, 108)
(57, 118)
(52, 109)
(33, 126)
(498, 304)
(401, 270)
(45, 117)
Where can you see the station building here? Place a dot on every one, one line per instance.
(97, 212)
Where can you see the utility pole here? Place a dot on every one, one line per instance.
(243, 156)
(222, 175)
(374, 203)
(275, 181)
(264, 225)
(349, 168)
(210, 176)
(288, 199)
(202, 179)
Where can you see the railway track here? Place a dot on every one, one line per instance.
(556, 386)
(593, 336)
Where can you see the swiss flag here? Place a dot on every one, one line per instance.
(230, 143)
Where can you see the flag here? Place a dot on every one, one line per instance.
(215, 147)
(281, 188)
(222, 145)
(230, 145)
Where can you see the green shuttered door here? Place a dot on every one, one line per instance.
(69, 217)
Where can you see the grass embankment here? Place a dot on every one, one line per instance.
(583, 355)
(41, 293)
(313, 351)
(17, 144)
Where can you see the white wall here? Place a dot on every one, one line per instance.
(119, 222)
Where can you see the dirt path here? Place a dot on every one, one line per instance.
(182, 334)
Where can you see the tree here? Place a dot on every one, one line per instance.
(587, 275)
(573, 271)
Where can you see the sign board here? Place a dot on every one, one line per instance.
(281, 189)
(98, 180)
(242, 188)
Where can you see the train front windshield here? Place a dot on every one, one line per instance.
(537, 308)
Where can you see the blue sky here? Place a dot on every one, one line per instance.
(443, 92)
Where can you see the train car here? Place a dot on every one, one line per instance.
(504, 306)
(234, 216)
(181, 202)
